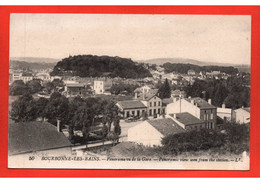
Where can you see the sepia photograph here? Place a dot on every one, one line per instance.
(129, 91)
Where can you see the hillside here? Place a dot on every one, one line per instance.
(183, 68)
(35, 59)
(22, 65)
(98, 66)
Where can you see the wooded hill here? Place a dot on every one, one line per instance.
(183, 68)
(98, 66)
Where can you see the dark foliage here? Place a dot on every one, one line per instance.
(24, 109)
(183, 68)
(122, 88)
(231, 92)
(164, 90)
(192, 141)
(18, 88)
(98, 66)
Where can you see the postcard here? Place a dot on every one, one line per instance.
(129, 91)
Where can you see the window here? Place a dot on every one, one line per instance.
(154, 97)
(127, 114)
(159, 111)
(150, 104)
(159, 103)
(154, 111)
(211, 125)
(211, 116)
(154, 104)
(133, 113)
(205, 116)
(150, 112)
(138, 113)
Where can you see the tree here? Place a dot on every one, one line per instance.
(57, 83)
(73, 106)
(23, 109)
(34, 85)
(110, 114)
(165, 90)
(83, 120)
(48, 87)
(18, 88)
(41, 104)
(57, 108)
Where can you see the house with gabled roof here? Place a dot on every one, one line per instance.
(196, 106)
(151, 132)
(242, 115)
(26, 138)
(131, 108)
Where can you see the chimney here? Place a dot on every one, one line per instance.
(58, 125)
(192, 101)
(174, 116)
(223, 106)
(209, 101)
(174, 99)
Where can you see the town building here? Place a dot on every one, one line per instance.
(74, 89)
(151, 132)
(102, 87)
(198, 107)
(43, 76)
(224, 113)
(35, 138)
(131, 108)
(178, 94)
(152, 102)
(191, 72)
(26, 77)
(242, 115)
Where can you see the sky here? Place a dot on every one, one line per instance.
(211, 38)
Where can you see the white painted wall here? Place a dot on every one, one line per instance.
(145, 134)
(242, 116)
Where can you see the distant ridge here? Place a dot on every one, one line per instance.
(35, 59)
(160, 61)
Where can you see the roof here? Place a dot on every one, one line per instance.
(200, 103)
(247, 109)
(224, 110)
(131, 104)
(75, 85)
(166, 126)
(187, 118)
(148, 95)
(178, 92)
(167, 101)
(27, 137)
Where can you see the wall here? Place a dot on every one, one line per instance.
(99, 87)
(145, 134)
(157, 107)
(242, 116)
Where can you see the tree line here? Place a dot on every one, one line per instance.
(99, 66)
(18, 87)
(233, 92)
(75, 113)
(183, 68)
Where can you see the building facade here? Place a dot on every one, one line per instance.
(198, 107)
